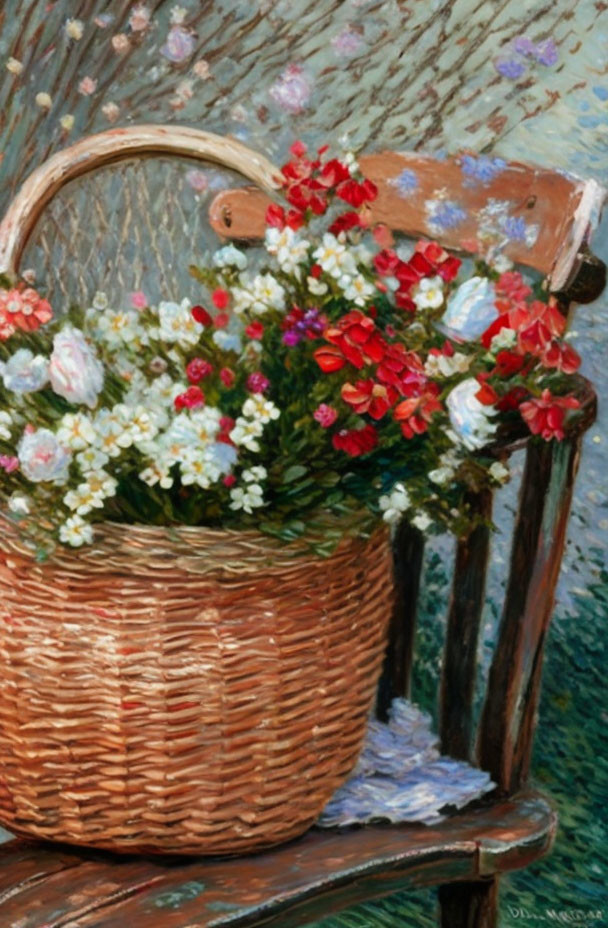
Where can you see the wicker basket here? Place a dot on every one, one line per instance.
(190, 691)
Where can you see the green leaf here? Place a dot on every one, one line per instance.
(294, 473)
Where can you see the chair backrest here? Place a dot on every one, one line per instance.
(539, 218)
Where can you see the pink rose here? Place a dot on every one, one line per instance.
(75, 371)
(42, 457)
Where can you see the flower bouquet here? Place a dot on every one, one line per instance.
(327, 379)
(193, 557)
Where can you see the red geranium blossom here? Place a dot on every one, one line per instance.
(190, 399)
(415, 413)
(197, 369)
(354, 339)
(367, 396)
(22, 308)
(220, 298)
(545, 415)
(356, 442)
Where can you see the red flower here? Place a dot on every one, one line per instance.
(403, 370)
(197, 369)
(545, 415)
(344, 222)
(354, 339)
(367, 396)
(221, 320)
(414, 414)
(22, 308)
(512, 285)
(508, 363)
(298, 149)
(254, 329)
(334, 172)
(355, 193)
(512, 400)
(316, 271)
(386, 262)
(227, 376)
(192, 398)
(220, 298)
(200, 314)
(229, 480)
(275, 216)
(561, 356)
(356, 442)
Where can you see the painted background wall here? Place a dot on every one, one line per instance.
(522, 79)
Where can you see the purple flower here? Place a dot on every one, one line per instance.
(292, 89)
(444, 214)
(522, 45)
(405, 183)
(291, 338)
(510, 68)
(482, 169)
(546, 53)
(515, 228)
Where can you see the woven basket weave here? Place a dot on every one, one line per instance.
(188, 691)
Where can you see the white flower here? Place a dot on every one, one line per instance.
(20, 504)
(14, 66)
(5, 425)
(113, 433)
(334, 257)
(471, 309)
(246, 432)
(501, 263)
(25, 372)
(429, 293)
(255, 474)
(504, 339)
(444, 474)
(499, 472)
(141, 424)
(100, 300)
(222, 456)
(75, 371)
(177, 323)
(470, 419)
(76, 431)
(290, 250)
(42, 457)
(74, 29)
(441, 365)
(247, 498)
(76, 532)
(67, 122)
(395, 503)
(43, 100)
(83, 500)
(421, 521)
(230, 256)
(258, 407)
(91, 459)
(356, 289)
(121, 328)
(316, 286)
(156, 473)
(266, 293)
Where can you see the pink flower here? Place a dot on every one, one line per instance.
(75, 371)
(9, 464)
(111, 111)
(139, 20)
(257, 383)
(347, 43)
(139, 300)
(198, 180)
(179, 45)
(325, 415)
(292, 90)
(42, 457)
(87, 86)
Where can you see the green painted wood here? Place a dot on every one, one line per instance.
(322, 872)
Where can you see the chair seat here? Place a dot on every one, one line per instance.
(48, 887)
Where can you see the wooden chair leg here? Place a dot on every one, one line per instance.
(469, 905)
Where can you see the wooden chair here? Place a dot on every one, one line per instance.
(326, 871)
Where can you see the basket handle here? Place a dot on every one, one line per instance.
(116, 145)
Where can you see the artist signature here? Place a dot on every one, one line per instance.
(557, 916)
